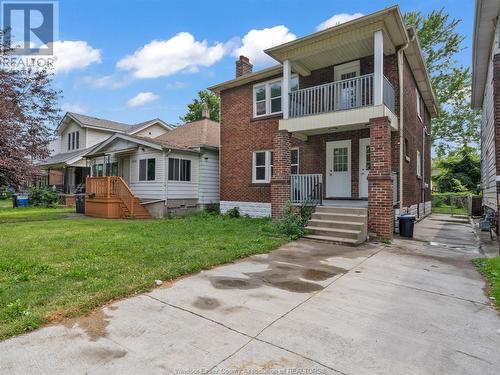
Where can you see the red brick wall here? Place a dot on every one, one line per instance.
(280, 186)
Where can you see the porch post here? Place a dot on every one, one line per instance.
(280, 180)
(378, 69)
(285, 87)
(380, 203)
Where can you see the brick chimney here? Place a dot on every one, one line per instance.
(243, 66)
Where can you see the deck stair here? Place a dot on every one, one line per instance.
(338, 224)
(139, 211)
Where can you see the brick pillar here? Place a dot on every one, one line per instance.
(380, 208)
(280, 181)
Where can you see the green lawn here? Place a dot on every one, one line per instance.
(490, 268)
(59, 266)
(445, 209)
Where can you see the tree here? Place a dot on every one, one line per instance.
(28, 107)
(195, 107)
(459, 171)
(457, 124)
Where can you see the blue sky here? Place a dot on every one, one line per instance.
(135, 60)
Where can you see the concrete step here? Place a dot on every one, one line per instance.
(333, 239)
(353, 218)
(342, 210)
(341, 224)
(335, 232)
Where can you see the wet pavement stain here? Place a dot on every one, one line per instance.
(94, 324)
(103, 354)
(206, 303)
(292, 268)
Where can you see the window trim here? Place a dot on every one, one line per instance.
(267, 166)
(298, 159)
(419, 104)
(419, 164)
(147, 179)
(267, 85)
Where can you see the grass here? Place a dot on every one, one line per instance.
(446, 209)
(65, 267)
(490, 268)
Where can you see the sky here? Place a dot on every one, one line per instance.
(131, 61)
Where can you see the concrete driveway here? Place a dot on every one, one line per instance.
(308, 307)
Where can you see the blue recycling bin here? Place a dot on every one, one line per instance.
(21, 200)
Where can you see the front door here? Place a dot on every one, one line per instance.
(364, 166)
(338, 169)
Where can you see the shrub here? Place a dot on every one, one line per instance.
(294, 220)
(212, 208)
(233, 213)
(5, 192)
(43, 197)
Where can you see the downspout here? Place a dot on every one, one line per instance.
(401, 118)
(165, 175)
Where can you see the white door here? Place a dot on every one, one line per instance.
(125, 169)
(338, 169)
(346, 97)
(364, 166)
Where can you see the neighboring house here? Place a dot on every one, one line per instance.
(343, 120)
(486, 96)
(176, 172)
(76, 135)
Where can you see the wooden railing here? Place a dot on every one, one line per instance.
(111, 187)
(306, 188)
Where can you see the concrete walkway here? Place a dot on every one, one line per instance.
(410, 308)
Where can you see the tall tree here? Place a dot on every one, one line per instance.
(27, 108)
(459, 171)
(195, 107)
(457, 124)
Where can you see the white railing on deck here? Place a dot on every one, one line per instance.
(334, 96)
(389, 96)
(306, 188)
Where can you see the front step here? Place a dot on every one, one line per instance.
(338, 224)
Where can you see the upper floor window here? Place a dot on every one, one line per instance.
(419, 105)
(147, 168)
(179, 169)
(267, 96)
(74, 140)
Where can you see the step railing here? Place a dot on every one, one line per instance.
(306, 188)
(111, 187)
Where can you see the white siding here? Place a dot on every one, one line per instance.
(209, 177)
(488, 164)
(148, 189)
(184, 189)
(152, 131)
(96, 136)
(73, 127)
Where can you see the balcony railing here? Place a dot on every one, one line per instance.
(306, 188)
(337, 96)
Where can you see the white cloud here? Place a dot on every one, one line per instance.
(73, 107)
(165, 57)
(71, 55)
(142, 98)
(337, 19)
(256, 41)
(109, 81)
(176, 85)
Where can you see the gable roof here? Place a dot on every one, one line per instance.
(486, 13)
(108, 125)
(201, 133)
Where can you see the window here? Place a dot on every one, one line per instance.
(419, 105)
(114, 169)
(262, 166)
(294, 161)
(77, 140)
(419, 165)
(69, 141)
(147, 169)
(97, 170)
(267, 96)
(179, 169)
(340, 159)
(73, 140)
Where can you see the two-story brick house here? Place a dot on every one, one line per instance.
(342, 120)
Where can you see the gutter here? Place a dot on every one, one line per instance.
(401, 118)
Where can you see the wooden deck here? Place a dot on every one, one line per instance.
(110, 197)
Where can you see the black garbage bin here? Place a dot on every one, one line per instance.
(14, 200)
(406, 224)
(80, 203)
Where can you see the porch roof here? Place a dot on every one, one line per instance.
(64, 159)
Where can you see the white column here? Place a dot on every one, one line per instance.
(285, 88)
(378, 72)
